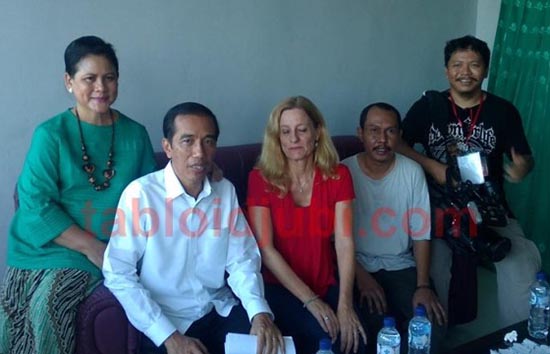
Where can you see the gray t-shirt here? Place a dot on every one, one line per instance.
(389, 214)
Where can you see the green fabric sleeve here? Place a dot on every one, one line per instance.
(42, 217)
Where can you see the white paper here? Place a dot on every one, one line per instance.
(471, 168)
(525, 347)
(511, 337)
(236, 343)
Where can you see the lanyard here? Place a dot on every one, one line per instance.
(474, 118)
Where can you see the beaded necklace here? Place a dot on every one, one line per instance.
(88, 166)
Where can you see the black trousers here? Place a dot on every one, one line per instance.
(210, 330)
(296, 321)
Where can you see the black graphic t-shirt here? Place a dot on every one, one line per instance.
(432, 122)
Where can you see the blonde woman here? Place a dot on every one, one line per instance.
(299, 203)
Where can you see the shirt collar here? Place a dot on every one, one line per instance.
(174, 188)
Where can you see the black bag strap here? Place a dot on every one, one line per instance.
(438, 106)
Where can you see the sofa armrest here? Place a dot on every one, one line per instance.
(102, 326)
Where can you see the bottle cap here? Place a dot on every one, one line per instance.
(389, 321)
(420, 310)
(325, 344)
(541, 276)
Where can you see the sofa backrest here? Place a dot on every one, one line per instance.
(237, 161)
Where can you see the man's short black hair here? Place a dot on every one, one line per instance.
(382, 105)
(465, 43)
(187, 108)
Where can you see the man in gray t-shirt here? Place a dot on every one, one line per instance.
(391, 227)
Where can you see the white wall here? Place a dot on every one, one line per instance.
(487, 20)
(486, 24)
(238, 57)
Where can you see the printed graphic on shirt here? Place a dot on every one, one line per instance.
(483, 140)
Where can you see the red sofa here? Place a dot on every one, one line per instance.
(102, 325)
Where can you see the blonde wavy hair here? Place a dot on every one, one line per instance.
(273, 163)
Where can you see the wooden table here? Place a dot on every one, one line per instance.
(494, 340)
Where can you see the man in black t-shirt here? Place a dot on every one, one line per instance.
(468, 123)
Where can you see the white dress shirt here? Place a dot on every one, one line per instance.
(169, 252)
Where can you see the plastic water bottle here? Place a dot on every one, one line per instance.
(388, 340)
(420, 332)
(539, 314)
(325, 346)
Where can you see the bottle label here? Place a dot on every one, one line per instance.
(540, 301)
(419, 341)
(386, 349)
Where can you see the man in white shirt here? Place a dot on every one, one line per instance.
(391, 227)
(176, 236)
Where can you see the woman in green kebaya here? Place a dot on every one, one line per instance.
(78, 164)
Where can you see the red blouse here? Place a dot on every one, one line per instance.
(302, 235)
